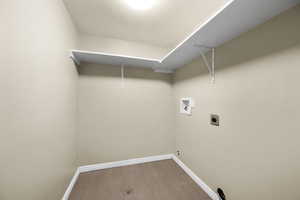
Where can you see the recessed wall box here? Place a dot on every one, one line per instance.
(186, 105)
(214, 120)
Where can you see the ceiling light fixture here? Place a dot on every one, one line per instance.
(140, 4)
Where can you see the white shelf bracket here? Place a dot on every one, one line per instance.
(210, 65)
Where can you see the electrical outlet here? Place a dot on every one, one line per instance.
(214, 120)
(178, 153)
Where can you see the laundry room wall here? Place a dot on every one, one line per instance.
(126, 119)
(38, 100)
(254, 153)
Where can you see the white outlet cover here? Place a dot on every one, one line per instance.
(186, 105)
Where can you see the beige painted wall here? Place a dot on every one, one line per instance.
(37, 100)
(117, 123)
(120, 47)
(254, 154)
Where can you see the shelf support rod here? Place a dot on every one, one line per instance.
(213, 65)
(209, 66)
(122, 76)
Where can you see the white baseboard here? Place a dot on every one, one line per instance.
(71, 185)
(88, 168)
(201, 183)
(135, 161)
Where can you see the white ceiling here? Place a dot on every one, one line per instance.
(166, 24)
